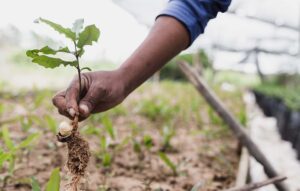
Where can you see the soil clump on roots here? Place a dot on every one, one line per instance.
(78, 155)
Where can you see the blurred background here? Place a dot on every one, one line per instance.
(253, 37)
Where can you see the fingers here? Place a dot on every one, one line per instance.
(67, 101)
(59, 101)
(91, 100)
(72, 97)
(94, 97)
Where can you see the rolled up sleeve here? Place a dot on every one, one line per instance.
(195, 14)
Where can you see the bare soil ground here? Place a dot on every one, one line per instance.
(202, 148)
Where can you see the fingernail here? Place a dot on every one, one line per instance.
(84, 108)
(71, 112)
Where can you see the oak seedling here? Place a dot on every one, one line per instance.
(78, 148)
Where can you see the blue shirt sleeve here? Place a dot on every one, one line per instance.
(195, 14)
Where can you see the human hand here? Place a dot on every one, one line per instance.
(101, 91)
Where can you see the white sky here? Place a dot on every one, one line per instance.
(238, 32)
(120, 32)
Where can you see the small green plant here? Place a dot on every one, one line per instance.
(78, 148)
(104, 154)
(51, 123)
(80, 38)
(148, 141)
(12, 149)
(90, 129)
(39, 99)
(52, 184)
(137, 148)
(167, 134)
(26, 123)
(140, 145)
(107, 123)
(4, 156)
(168, 162)
(157, 108)
(35, 185)
(106, 159)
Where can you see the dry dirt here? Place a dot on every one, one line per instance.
(204, 152)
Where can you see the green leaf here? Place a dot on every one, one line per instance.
(4, 157)
(28, 140)
(90, 130)
(89, 35)
(103, 143)
(26, 123)
(51, 123)
(86, 68)
(66, 31)
(148, 141)
(54, 181)
(50, 62)
(81, 52)
(108, 126)
(11, 166)
(35, 185)
(136, 146)
(168, 162)
(64, 49)
(106, 159)
(46, 50)
(168, 134)
(7, 140)
(77, 26)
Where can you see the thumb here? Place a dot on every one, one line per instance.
(72, 95)
(90, 101)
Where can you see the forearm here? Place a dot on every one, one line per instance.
(167, 38)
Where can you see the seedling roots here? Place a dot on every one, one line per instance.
(78, 155)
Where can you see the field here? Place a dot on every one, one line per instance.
(162, 137)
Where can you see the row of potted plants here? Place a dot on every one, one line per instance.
(283, 103)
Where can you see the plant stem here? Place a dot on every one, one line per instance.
(79, 77)
(78, 69)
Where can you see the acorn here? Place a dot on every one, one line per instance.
(65, 128)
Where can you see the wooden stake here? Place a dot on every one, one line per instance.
(234, 125)
(253, 186)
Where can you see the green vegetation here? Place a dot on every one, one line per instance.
(167, 134)
(12, 149)
(127, 139)
(168, 162)
(80, 38)
(53, 183)
(172, 72)
(288, 92)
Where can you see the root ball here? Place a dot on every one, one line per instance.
(78, 155)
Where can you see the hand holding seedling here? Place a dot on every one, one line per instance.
(80, 39)
(101, 91)
(78, 148)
